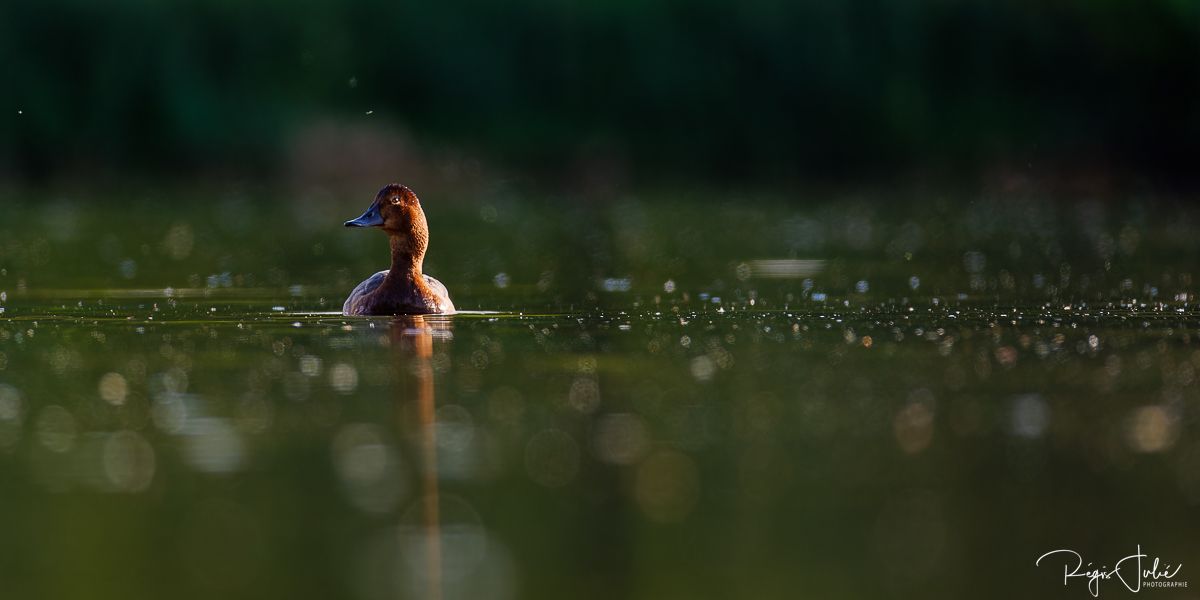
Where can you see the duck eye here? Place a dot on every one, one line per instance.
(395, 200)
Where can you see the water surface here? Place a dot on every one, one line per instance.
(658, 398)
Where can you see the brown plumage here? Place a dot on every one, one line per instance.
(403, 289)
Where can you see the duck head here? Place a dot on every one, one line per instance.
(398, 212)
(396, 209)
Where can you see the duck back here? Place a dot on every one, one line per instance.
(356, 303)
(371, 297)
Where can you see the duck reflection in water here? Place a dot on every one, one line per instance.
(412, 338)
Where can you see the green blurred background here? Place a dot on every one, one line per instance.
(609, 91)
(849, 299)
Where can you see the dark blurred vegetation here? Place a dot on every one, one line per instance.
(763, 89)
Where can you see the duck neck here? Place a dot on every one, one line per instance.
(408, 259)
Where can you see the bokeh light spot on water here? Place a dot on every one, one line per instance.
(370, 469)
(129, 461)
(974, 262)
(253, 413)
(785, 268)
(458, 443)
(343, 378)
(480, 359)
(296, 386)
(620, 438)
(169, 412)
(172, 381)
(463, 539)
(913, 424)
(616, 284)
(178, 241)
(667, 486)
(113, 388)
(212, 445)
(63, 360)
(11, 415)
(454, 556)
(584, 396)
(310, 365)
(56, 428)
(128, 268)
(1006, 356)
(552, 458)
(488, 213)
(1152, 428)
(506, 405)
(703, 368)
(587, 365)
(1030, 416)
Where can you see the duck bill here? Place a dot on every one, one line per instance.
(371, 218)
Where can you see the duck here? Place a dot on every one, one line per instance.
(404, 289)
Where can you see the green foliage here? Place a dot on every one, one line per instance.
(750, 88)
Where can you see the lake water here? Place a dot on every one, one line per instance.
(666, 396)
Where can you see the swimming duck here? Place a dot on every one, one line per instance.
(404, 289)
